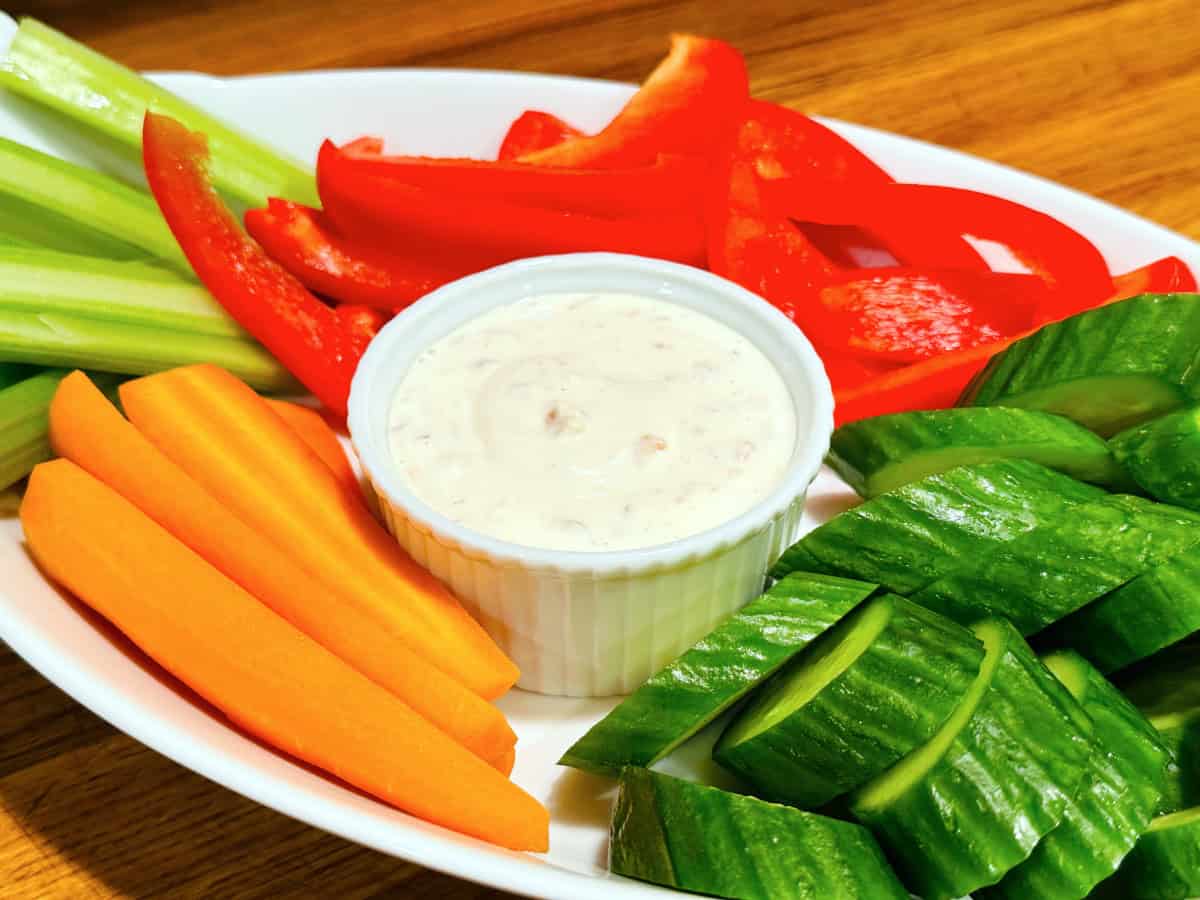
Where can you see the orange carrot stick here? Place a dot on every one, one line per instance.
(225, 436)
(321, 439)
(88, 430)
(265, 675)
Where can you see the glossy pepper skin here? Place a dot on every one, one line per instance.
(665, 187)
(476, 233)
(534, 130)
(686, 106)
(301, 331)
(303, 242)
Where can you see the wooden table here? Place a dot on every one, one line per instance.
(1102, 96)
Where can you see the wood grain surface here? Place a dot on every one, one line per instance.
(1102, 96)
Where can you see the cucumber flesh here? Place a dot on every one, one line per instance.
(1049, 572)
(959, 812)
(1165, 864)
(1166, 689)
(882, 453)
(697, 838)
(49, 68)
(909, 537)
(869, 691)
(1115, 803)
(1163, 457)
(1108, 369)
(1153, 611)
(708, 679)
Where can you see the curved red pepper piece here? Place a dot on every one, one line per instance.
(666, 187)
(1062, 257)
(532, 131)
(906, 315)
(300, 240)
(362, 323)
(686, 106)
(301, 331)
(478, 233)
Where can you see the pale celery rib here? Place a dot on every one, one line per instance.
(49, 68)
(25, 426)
(36, 280)
(64, 339)
(104, 217)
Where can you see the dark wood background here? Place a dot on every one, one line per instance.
(1103, 96)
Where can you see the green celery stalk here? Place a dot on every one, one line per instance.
(25, 425)
(24, 223)
(36, 280)
(11, 373)
(64, 339)
(49, 68)
(119, 216)
(10, 502)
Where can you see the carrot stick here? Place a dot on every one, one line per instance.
(312, 428)
(265, 675)
(225, 436)
(88, 430)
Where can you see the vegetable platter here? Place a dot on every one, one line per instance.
(904, 679)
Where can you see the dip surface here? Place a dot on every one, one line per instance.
(592, 421)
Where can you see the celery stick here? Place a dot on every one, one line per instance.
(62, 339)
(25, 425)
(10, 502)
(51, 69)
(11, 373)
(33, 280)
(22, 222)
(124, 217)
(25, 422)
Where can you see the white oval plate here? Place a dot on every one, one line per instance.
(446, 113)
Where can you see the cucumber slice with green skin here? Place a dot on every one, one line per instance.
(697, 838)
(1108, 369)
(1163, 457)
(959, 812)
(1165, 864)
(869, 691)
(1153, 611)
(909, 537)
(882, 453)
(1119, 795)
(1039, 577)
(739, 654)
(1167, 690)
(47, 67)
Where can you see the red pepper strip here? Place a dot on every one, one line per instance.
(686, 106)
(937, 383)
(668, 186)
(1065, 259)
(479, 233)
(301, 331)
(533, 131)
(361, 322)
(300, 240)
(789, 145)
(906, 315)
(847, 372)
(364, 146)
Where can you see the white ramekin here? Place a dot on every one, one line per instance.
(593, 623)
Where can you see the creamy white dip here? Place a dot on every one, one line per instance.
(595, 421)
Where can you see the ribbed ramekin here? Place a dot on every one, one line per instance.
(593, 623)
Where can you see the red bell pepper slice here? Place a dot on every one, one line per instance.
(687, 106)
(1063, 258)
(938, 382)
(478, 233)
(300, 240)
(301, 331)
(532, 131)
(667, 187)
(847, 372)
(362, 323)
(906, 315)
(1164, 276)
